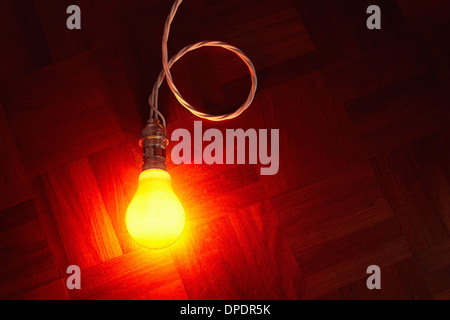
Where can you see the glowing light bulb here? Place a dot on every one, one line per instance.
(155, 217)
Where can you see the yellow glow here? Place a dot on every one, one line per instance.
(155, 216)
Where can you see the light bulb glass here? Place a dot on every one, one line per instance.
(155, 217)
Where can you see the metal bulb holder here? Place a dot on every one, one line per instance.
(154, 142)
(155, 217)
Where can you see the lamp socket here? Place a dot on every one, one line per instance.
(154, 142)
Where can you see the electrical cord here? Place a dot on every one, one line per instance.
(165, 73)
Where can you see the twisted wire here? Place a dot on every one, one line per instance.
(166, 74)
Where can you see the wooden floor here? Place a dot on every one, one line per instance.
(364, 119)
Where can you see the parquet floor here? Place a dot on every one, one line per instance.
(364, 119)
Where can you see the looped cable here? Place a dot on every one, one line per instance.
(165, 73)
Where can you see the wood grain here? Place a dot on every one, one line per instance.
(55, 290)
(116, 188)
(267, 251)
(211, 252)
(75, 218)
(417, 183)
(27, 261)
(364, 123)
(127, 276)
